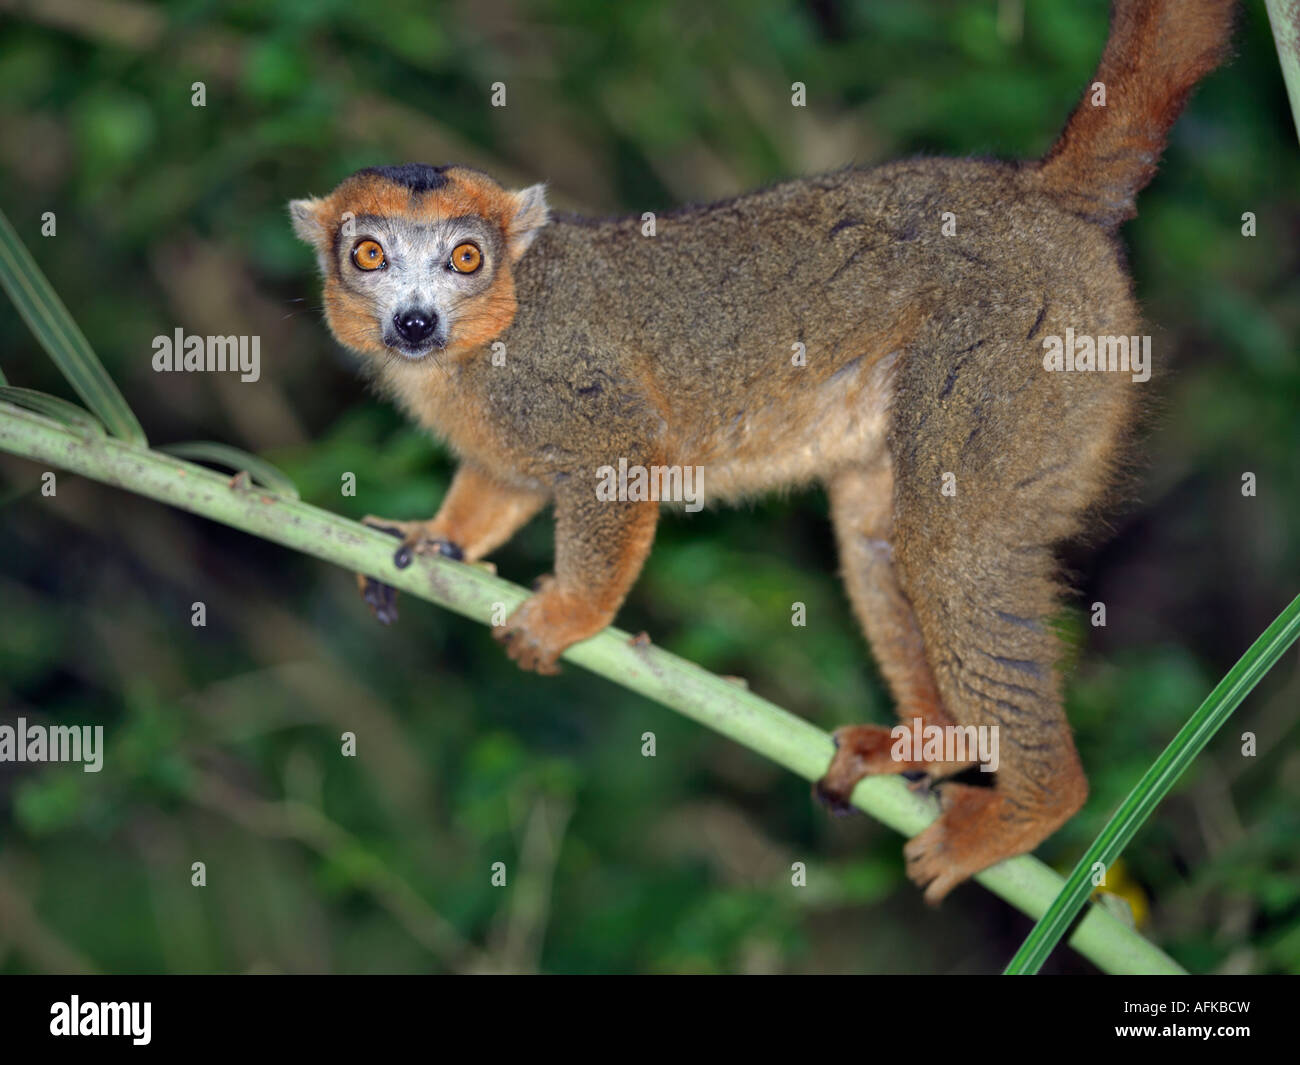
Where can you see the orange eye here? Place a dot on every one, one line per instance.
(368, 255)
(466, 258)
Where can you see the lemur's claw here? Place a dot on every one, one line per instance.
(918, 782)
(380, 597)
(375, 523)
(448, 550)
(831, 799)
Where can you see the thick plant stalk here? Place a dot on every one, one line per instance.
(725, 706)
(1284, 15)
(1155, 784)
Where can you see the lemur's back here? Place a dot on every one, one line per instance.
(800, 289)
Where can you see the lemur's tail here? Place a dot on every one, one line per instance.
(1157, 50)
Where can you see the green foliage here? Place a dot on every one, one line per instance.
(1156, 783)
(52, 407)
(235, 460)
(49, 320)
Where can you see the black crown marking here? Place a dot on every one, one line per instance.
(418, 177)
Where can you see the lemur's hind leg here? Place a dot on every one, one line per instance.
(983, 600)
(958, 624)
(862, 510)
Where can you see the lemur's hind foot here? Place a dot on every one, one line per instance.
(869, 750)
(981, 826)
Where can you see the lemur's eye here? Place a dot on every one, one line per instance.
(368, 255)
(466, 258)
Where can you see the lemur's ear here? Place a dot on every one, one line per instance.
(530, 214)
(307, 220)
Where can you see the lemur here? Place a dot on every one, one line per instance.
(954, 459)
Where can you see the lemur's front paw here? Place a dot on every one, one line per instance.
(381, 597)
(546, 625)
(417, 538)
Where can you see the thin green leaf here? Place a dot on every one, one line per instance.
(52, 407)
(1286, 35)
(1155, 785)
(3, 380)
(59, 335)
(233, 459)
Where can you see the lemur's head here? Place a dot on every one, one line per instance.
(418, 259)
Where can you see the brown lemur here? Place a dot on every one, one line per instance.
(954, 459)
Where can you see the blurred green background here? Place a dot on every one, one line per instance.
(223, 741)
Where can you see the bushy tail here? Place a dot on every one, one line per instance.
(1157, 50)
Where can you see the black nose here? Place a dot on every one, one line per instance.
(415, 326)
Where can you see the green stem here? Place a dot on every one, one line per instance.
(1155, 784)
(722, 705)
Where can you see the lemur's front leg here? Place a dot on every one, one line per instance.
(600, 547)
(477, 515)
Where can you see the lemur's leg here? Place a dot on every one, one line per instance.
(600, 547)
(478, 514)
(983, 601)
(862, 509)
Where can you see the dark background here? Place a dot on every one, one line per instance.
(223, 741)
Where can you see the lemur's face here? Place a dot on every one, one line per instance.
(418, 259)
